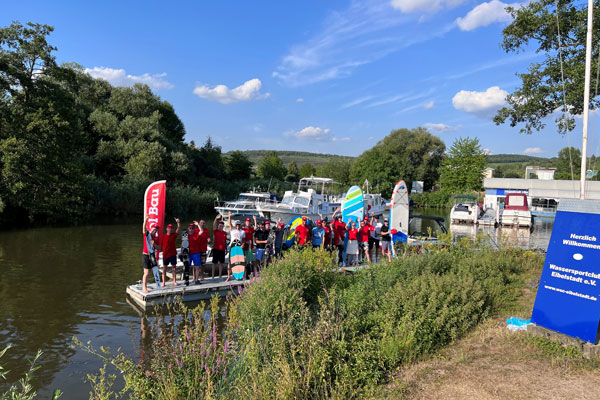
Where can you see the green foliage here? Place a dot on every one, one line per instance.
(568, 164)
(298, 157)
(535, 25)
(409, 154)
(337, 169)
(307, 170)
(292, 173)
(271, 166)
(238, 166)
(463, 167)
(435, 199)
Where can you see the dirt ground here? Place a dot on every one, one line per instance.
(495, 363)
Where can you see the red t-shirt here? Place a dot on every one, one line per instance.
(249, 238)
(167, 243)
(352, 234)
(327, 236)
(194, 241)
(302, 231)
(340, 232)
(220, 240)
(364, 233)
(203, 241)
(145, 249)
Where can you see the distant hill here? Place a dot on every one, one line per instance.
(516, 158)
(300, 157)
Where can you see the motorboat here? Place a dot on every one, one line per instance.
(465, 210)
(516, 211)
(311, 200)
(425, 229)
(246, 203)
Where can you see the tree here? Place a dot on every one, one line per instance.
(569, 160)
(463, 167)
(238, 166)
(542, 92)
(271, 166)
(409, 154)
(306, 170)
(338, 169)
(293, 174)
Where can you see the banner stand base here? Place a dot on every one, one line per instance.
(588, 350)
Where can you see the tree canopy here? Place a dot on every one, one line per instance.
(463, 167)
(409, 154)
(558, 31)
(293, 173)
(307, 170)
(271, 166)
(567, 165)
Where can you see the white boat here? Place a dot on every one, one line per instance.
(306, 201)
(375, 204)
(246, 204)
(465, 210)
(516, 211)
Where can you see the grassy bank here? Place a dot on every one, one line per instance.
(303, 330)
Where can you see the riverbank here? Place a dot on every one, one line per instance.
(302, 330)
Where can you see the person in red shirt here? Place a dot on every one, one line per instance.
(338, 236)
(219, 246)
(303, 233)
(169, 249)
(248, 243)
(363, 239)
(327, 236)
(352, 247)
(194, 243)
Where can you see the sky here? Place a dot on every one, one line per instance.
(331, 76)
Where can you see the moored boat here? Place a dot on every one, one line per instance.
(516, 211)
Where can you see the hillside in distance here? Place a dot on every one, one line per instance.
(516, 158)
(300, 157)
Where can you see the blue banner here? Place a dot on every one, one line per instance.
(568, 296)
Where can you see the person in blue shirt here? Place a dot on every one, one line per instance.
(318, 234)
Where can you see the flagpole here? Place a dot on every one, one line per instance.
(586, 97)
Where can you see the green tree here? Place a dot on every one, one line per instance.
(306, 170)
(271, 166)
(409, 154)
(463, 167)
(238, 166)
(293, 174)
(569, 161)
(536, 25)
(337, 169)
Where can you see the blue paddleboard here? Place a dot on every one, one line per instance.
(354, 206)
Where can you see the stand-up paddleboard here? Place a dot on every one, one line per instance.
(291, 227)
(184, 256)
(354, 206)
(237, 260)
(399, 214)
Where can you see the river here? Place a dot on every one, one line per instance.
(70, 281)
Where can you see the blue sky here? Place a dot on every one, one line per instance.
(326, 76)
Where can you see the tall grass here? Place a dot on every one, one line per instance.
(304, 330)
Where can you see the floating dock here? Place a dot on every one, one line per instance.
(169, 293)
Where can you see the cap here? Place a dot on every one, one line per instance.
(237, 222)
(318, 221)
(281, 225)
(365, 218)
(386, 220)
(247, 218)
(304, 218)
(170, 226)
(191, 224)
(267, 222)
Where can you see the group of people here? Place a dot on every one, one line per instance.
(261, 243)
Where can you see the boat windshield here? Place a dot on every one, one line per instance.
(295, 199)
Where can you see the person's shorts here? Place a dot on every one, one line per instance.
(260, 255)
(170, 260)
(146, 261)
(195, 259)
(249, 254)
(218, 256)
(203, 257)
(385, 246)
(373, 243)
(364, 246)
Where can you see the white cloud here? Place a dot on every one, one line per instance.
(481, 103)
(355, 102)
(487, 152)
(366, 31)
(533, 150)
(430, 6)
(249, 90)
(440, 128)
(429, 105)
(485, 14)
(300, 100)
(118, 77)
(315, 133)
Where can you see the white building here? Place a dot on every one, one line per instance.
(546, 174)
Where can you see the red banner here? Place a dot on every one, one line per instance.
(154, 205)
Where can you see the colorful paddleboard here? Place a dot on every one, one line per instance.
(238, 262)
(399, 214)
(354, 206)
(291, 227)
